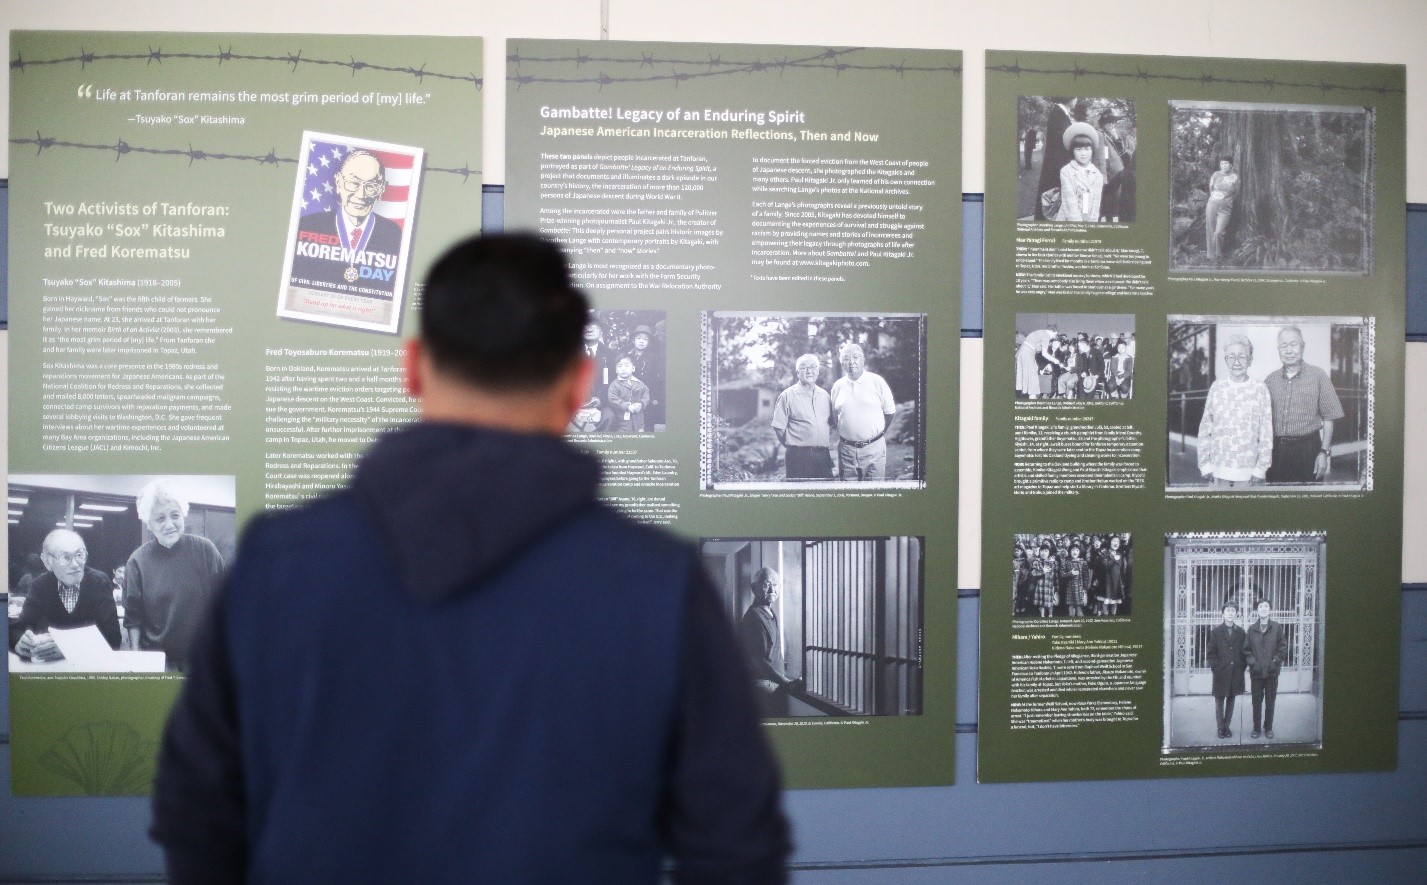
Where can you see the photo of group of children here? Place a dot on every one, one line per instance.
(1072, 575)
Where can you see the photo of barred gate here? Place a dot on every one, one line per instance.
(845, 628)
(1203, 572)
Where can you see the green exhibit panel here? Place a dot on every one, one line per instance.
(214, 248)
(786, 238)
(1109, 831)
(1193, 417)
(215, 242)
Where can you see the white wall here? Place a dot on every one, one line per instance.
(1390, 31)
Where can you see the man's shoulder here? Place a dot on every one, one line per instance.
(601, 521)
(756, 614)
(331, 525)
(594, 537)
(335, 511)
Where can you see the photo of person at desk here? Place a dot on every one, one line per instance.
(68, 595)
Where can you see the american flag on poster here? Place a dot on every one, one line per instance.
(324, 158)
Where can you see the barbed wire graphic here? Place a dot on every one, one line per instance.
(122, 149)
(1204, 78)
(223, 56)
(712, 65)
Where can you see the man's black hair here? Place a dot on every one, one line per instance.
(502, 312)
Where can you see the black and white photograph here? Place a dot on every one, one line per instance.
(113, 573)
(830, 626)
(1076, 159)
(800, 400)
(1088, 357)
(629, 351)
(1270, 403)
(1072, 575)
(1270, 188)
(1244, 641)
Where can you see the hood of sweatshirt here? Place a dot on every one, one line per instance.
(455, 503)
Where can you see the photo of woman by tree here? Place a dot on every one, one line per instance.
(1278, 188)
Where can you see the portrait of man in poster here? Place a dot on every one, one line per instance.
(350, 233)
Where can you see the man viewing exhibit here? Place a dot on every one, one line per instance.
(463, 667)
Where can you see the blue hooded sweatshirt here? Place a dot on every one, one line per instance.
(463, 668)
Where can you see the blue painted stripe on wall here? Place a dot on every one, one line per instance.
(1417, 271)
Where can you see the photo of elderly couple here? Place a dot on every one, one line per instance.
(814, 400)
(1270, 402)
(113, 573)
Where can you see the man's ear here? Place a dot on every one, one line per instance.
(412, 357)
